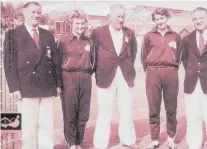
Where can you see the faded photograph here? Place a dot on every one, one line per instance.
(103, 75)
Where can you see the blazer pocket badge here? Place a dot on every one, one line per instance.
(172, 44)
(126, 39)
(87, 48)
(48, 52)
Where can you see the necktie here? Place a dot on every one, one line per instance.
(201, 43)
(35, 37)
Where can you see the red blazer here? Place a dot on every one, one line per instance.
(107, 59)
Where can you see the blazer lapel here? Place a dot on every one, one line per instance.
(205, 50)
(41, 41)
(125, 40)
(108, 38)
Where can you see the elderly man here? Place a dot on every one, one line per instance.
(116, 49)
(194, 57)
(33, 75)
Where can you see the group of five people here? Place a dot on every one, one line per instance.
(38, 69)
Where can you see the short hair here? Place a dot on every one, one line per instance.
(160, 11)
(199, 9)
(115, 6)
(77, 14)
(31, 3)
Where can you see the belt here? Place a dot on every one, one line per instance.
(78, 70)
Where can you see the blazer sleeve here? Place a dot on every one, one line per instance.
(94, 40)
(56, 61)
(10, 61)
(179, 52)
(145, 51)
(134, 47)
(184, 52)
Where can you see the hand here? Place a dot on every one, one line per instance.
(17, 95)
(59, 91)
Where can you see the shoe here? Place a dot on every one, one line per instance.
(73, 147)
(134, 146)
(152, 145)
(171, 143)
(78, 147)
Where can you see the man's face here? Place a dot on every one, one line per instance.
(32, 14)
(161, 21)
(200, 20)
(78, 25)
(117, 18)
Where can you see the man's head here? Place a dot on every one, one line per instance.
(32, 12)
(160, 16)
(117, 16)
(78, 21)
(199, 18)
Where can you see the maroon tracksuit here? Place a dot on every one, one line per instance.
(160, 59)
(77, 65)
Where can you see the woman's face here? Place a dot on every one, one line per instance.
(78, 26)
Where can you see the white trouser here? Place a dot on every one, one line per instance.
(196, 113)
(37, 122)
(105, 99)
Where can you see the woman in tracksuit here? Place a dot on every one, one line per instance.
(77, 67)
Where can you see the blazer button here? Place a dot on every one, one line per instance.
(49, 71)
(198, 71)
(33, 72)
(27, 62)
(199, 63)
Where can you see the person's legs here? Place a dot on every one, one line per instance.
(29, 108)
(70, 106)
(45, 121)
(84, 105)
(125, 105)
(193, 106)
(154, 97)
(105, 100)
(170, 93)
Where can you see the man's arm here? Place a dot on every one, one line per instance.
(94, 39)
(56, 62)
(144, 52)
(134, 47)
(10, 62)
(184, 52)
(179, 52)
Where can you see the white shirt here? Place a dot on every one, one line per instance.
(29, 29)
(117, 37)
(204, 36)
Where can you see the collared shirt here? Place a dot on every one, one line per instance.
(117, 37)
(29, 29)
(204, 36)
(76, 52)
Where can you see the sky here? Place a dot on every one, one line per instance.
(98, 7)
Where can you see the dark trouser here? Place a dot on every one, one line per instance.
(158, 80)
(75, 105)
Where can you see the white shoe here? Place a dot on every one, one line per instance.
(171, 143)
(78, 147)
(152, 145)
(73, 147)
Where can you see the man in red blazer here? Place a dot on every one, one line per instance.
(194, 57)
(33, 76)
(116, 49)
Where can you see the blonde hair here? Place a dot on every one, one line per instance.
(76, 14)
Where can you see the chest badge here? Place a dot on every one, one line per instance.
(87, 48)
(48, 52)
(172, 44)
